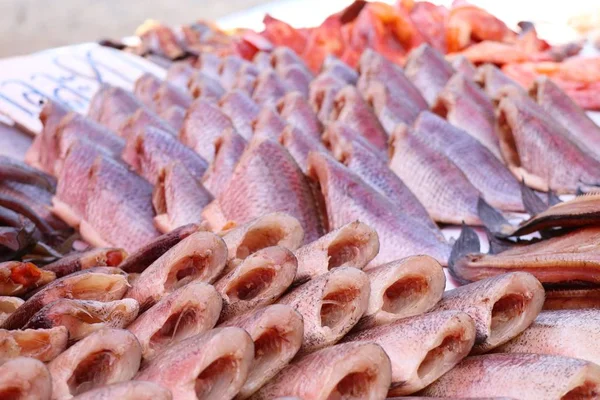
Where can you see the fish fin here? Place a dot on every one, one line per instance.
(497, 245)
(467, 243)
(553, 198)
(532, 202)
(493, 219)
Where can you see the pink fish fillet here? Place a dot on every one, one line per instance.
(112, 106)
(277, 334)
(349, 370)
(283, 57)
(268, 123)
(334, 66)
(461, 64)
(403, 288)
(297, 112)
(202, 85)
(421, 348)
(241, 109)
(104, 357)
(130, 390)
(231, 67)
(188, 311)
(211, 365)
(229, 147)
(174, 116)
(330, 305)
(268, 88)
(427, 69)
(199, 257)
(41, 344)
(25, 379)
(349, 198)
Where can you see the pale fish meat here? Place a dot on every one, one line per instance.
(41, 344)
(111, 106)
(18, 278)
(50, 116)
(143, 119)
(297, 112)
(25, 379)
(9, 305)
(299, 144)
(322, 92)
(100, 257)
(130, 390)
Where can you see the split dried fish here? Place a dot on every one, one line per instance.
(130, 390)
(102, 257)
(9, 305)
(242, 110)
(18, 278)
(229, 147)
(111, 106)
(41, 344)
(297, 112)
(427, 69)
(25, 379)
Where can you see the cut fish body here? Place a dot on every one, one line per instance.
(111, 106)
(322, 92)
(18, 278)
(277, 332)
(427, 69)
(392, 109)
(229, 147)
(572, 299)
(268, 123)
(461, 64)
(159, 95)
(241, 110)
(297, 112)
(202, 85)
(26, 379)
(9, 305)
(492, 80)
(141, 120)
(268, 88)
(296, 79)
(299, 144)
(231, 67)
(41, 344)
(179, 74)
(283, 57)
(50, 116)
(334, 66)
(401, 289)
(174, 117)
(103, 257)
(130, 390)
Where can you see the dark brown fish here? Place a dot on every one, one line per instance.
(14, 170)
(421, 348)
(268, 123)
(297, 112)
(322, 92)
(299, 144)
(492, 80)
(111, 106)
(502, 307)
(330, 304)
(277, 332)
(572, 299)
(211, 365)
(392, 109)
(353, 245)
(199, 257)
(142, 119)
(334, 66)
(242, 110)
(349, 370)
(188, 311)
(266, 168)
(202, 85)
(522, 376)
(229, 147)
(102, 358)
(102, 257)
(23, 212)
(25, 378)
(159, 95)
(130, 390)
(18, 278)
(447, 194)
(461, 64)
(401, 289)
(348, 198)
(41, 344)
(178, 198)
(427, 69)
(8, 305)
(101, 284)
(268, 88)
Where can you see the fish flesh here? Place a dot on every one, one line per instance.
(211, 365)
(9, 305)
(200, 257)
(502, 307)
(188, 311)
(130, 390)
(274, 229)
(102, 257)
(353, 245)
(295, 110)
(299, 144)
(178, 198)
(241, 110)
(266, 168)
(41, 344)
(277, 332)
(111, 106)
(427, 69)
(83, 317)
(421, 348)
(25, 379)
(401, 289)
(106, 356)
(18, 278)
(258, 281)
(349, 198)
(229, 147)
(572, 299)
(100, 283)
(546, 377)
(50, 116)
(330, 304)
(141, 120)
(348, 370)
(439, 184)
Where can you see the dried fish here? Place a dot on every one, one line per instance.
(13, 170)
(334, 66)
(229, 147)
(103, 257)
(268, 123)
(322, 92)
(8, 305)
(572, 299)
(299, 144)
(141, 120)
(18, 278)
(41, 344)
(159, 95)
(25, 379)
(427, 69)
(202, 85)
(241, 109)
(268, 88)
(492, 80)
(111, 106)
(130, 390)
(391, 108)
(297, 112)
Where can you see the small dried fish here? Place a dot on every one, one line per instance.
(391, 108)
(268, 123)
(322, 92)
(41, 344)
(130, 390)
(18, 278)
(492, 80)
(296, 79)
(202, 85)
(297, 112)
(334, 66)
(141, 120)
(461, 64)
(299, 144)
(268, 88)
(25, 379)
(242, 110)
(159, 95)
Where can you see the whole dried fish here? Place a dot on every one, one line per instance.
(229, 147)
(277, 332)
(283, 57)
(41, 344)
(18, 278)
(25, 378)
(359, 370)
(159, 95)
(427, 69)
(202, 85)
(231, 67)
(297, 112)
(241, 109)
(103, 257)
(211, 365)
(547, 377)
(102, 358)
(502, 307)
(111, 106)
(421, 348)
(461, 64)
(141, 120)
(296, 79)
(130, 390)
(9, 305)
(50, 116)
(299, 144)
(330, 305)
(179, 74)
(188, 311)
(401, 289)
(258, 281)
(12, 204)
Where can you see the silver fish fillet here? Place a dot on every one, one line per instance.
(130, 390)
(41, 344)
(25, 379)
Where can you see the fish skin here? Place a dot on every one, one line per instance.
(241, 109)
(271, 354)
(203, 124)
(179, 74)
(417, 284)
(283, 57)
(446, 337)
(349, 108)
(268, 88)
(427, 69)
(559, 165)
(202, 85)
(26, 376)
(487, 174)
(398, 237)
(299, 145)
(111, 106)
(583, 130)
(257, 282)
(17, 171)
(139, 260)
(196, 306)
(201, 250)
(297, 112)
(83, 317)
(182, 365)
(41, 344)
(296, 79)
(106, 356)
(492, 80)
(8, 305)
(334, 66)
(268, 123)
(159, 95)
(141, 120)
(317, 375)
(467, 107)
(516, 290)
(111, 283)
(347, 288)
(572, 299)
(130, 390)
(178, 198)
(229, 70)
(229, 147)
(548, 377)
(50, 116)
(353, 245)
(101, 257)
(209, 63)
(322, 92)
(443, 189)
(461, 64)
(17, 278)
(264, 169)
(22, 211)
(362, 159)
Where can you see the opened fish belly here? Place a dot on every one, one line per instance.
(101, 257)
(130, 390)
(25, 378)
(41, 344)
(18, 278)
